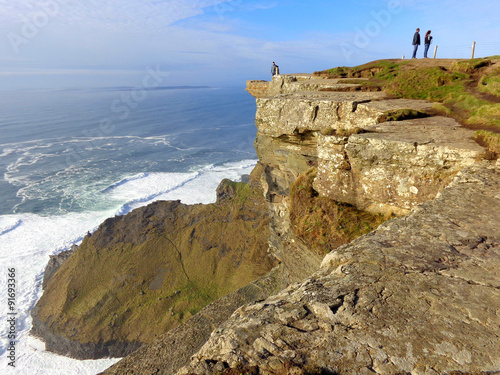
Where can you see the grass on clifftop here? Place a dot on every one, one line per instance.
(467, 90)
(324, 224)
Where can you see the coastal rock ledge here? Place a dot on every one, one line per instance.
(418, 295)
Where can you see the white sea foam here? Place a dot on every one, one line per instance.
(27, 240)
(9, 224)
(26, 248)
(189, 188)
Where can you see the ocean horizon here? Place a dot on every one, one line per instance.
(71, 158)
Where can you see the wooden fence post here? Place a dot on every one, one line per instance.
(435, 51)
(473, 49)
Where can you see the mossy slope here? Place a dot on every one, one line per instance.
(144, 273)
(322, 223)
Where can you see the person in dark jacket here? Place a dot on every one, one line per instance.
(416, 43)
(427, 42)
(275, 69)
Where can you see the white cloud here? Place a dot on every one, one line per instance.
(105, 14)
(100, 32)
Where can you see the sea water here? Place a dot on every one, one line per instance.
(71, 158)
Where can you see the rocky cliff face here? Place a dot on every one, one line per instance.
(418, 295)
(361, 159)
(377, 166)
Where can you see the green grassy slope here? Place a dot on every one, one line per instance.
(141, 274)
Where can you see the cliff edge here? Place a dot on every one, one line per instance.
(144, 273)
(383, 209)
(420, 293)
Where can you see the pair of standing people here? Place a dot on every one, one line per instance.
(416, 43)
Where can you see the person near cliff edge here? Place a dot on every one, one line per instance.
(416, 43)
(275, 69)
(427, 42)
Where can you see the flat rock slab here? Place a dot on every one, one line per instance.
(297, 76)
(420, 294)
(433, 131)
(382, 106)
(289, 83)
(396, 165)
(333, 96)
(317, 84)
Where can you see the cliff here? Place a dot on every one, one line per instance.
(383, 216)
(417, 295)
(144, 273)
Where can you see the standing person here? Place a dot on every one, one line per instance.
(427, 42)
(416, 43)
(274, 69)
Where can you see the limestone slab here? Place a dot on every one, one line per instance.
(418, 295)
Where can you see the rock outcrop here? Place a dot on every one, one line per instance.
(144, 273)
(405, 298)
(377, 166)
(419, 295)
(394, 166)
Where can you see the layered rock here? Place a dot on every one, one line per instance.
(401, 299)
(313, 111)
(394, 166)
(380, 167)
(419, 295)
(288, 83)
(387, 167)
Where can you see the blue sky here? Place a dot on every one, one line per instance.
(68, 43)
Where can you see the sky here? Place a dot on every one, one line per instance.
(76, 43)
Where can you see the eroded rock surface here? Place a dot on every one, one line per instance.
(376, 165)
(419, 295)
(395, 165)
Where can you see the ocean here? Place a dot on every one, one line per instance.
(70, 158)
